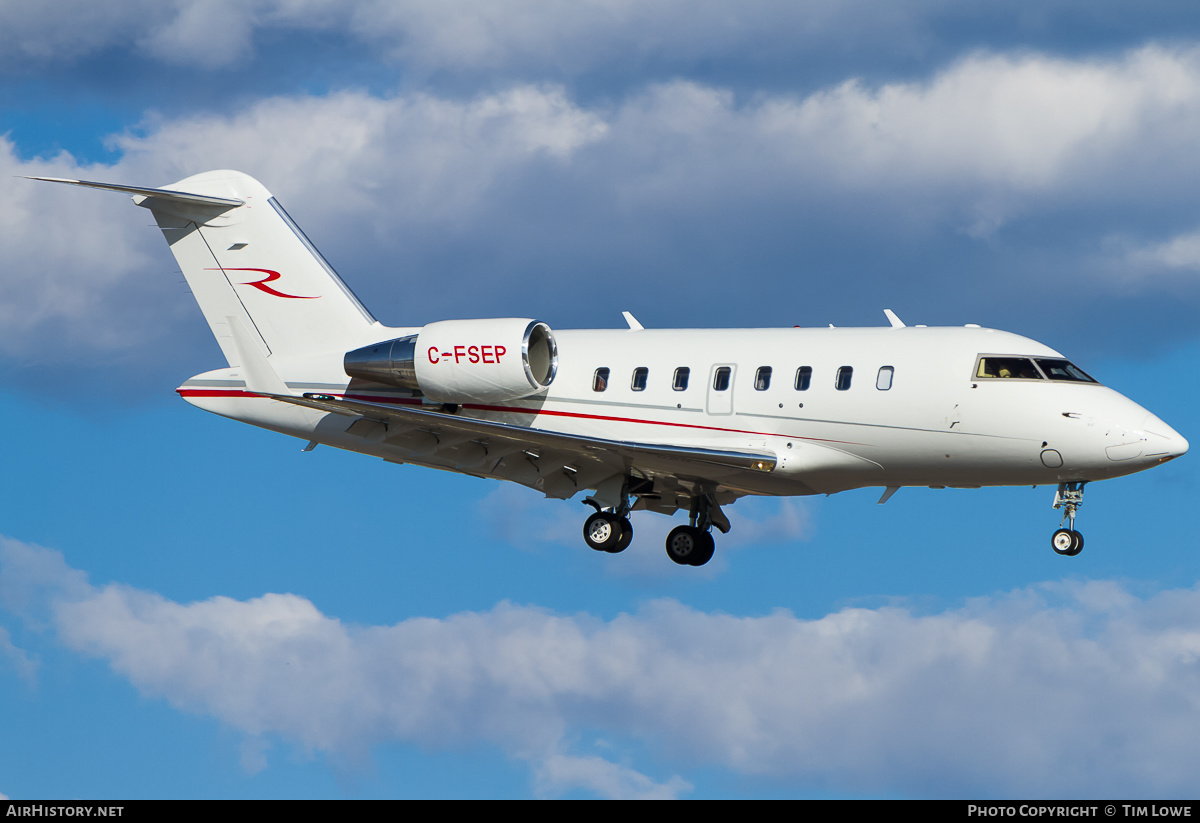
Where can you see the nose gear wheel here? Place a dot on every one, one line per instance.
(1067, 542)
(1069, 498)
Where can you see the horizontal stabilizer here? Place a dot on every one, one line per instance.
(158, 194)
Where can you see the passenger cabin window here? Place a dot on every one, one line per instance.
(721, 379)
(639, 378)
(600, 380)
(762, 378)
(1007, 368)
(803, 378)
(843, 378)
(883, 380)
(681, 378)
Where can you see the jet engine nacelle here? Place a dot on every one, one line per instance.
(464, 361)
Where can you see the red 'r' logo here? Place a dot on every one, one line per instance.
(261, 285)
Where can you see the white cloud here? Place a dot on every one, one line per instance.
(67, 268)
(1068, 689)
(203, 33)
(574, 36)
(560, 774)
(507, 177)
(401, 158)
(83, 272)
(989, 130)
(210, 34)
(1129, 260)
(66, 29)
(531, 37)
(25, 666)
(441, 35)
(790, 522)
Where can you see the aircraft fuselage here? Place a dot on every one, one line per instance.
(929, 422)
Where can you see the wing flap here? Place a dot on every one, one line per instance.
(674, 460)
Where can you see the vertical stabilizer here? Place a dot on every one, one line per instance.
(258, 279)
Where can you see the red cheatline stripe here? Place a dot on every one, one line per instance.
(607, 418)
(214, 393)
(518, 410)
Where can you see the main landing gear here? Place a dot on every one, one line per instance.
(1069, 497)
(609, 530)
(690, 545)
(693, 545)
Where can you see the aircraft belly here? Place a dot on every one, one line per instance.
(258, 411)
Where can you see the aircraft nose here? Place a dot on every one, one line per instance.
(1163, 442)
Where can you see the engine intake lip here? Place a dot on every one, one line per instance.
(539, 354)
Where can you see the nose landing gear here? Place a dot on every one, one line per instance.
(1069, 497)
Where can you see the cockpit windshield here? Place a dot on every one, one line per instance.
(1003, 367)
(1063, 370)
(1012, 368)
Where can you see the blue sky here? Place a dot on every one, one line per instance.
(194, 608)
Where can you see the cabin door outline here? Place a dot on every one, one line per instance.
(720, 401)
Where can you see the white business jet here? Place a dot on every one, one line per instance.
(660, 420)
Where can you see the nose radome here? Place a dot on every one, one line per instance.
(1164, 442)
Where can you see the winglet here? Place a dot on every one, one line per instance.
(896, 322)
(634, 325)
(157, 194)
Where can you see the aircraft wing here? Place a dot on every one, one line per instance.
(555, 463)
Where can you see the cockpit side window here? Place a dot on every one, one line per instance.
(1006, 368)
(1064, 370)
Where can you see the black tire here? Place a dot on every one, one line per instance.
(602, 532)
(683, 543)
(704, 551)
(1067, 542)
(626, 537)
